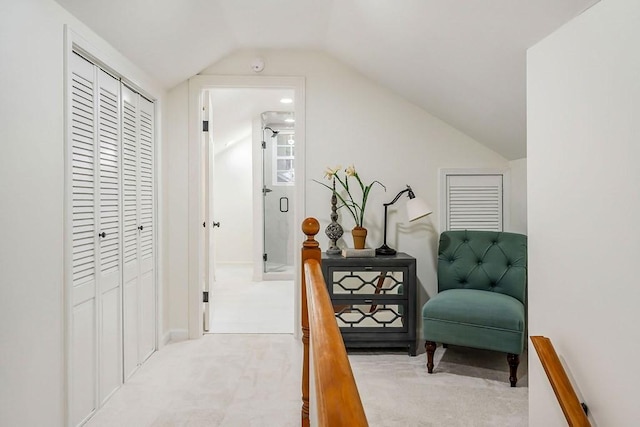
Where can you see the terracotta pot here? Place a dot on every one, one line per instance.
(359, 236)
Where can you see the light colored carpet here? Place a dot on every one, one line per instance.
(248, 380)
(252, 308)
(468, 388)
(219, 380)
(241, 306)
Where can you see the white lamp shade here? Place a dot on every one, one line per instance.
(417, 208)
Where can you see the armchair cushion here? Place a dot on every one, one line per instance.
(475, 318)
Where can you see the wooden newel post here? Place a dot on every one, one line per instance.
(310, 250)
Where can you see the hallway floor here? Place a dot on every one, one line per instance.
(253, 380)
(241, 306)
(236, 377)
(219, 380)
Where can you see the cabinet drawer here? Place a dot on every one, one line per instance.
(343, 282)
(370, 315)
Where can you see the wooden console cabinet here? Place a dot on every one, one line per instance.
(374, 299)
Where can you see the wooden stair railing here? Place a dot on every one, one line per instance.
(337, 399)
(573, 410)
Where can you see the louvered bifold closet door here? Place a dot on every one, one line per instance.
(84, 234)
(147, 342)
(130, 221)
(138, 213)
(95, 333)
(474, 202)
(110, 324)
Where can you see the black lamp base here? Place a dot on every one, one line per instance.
(385, 250)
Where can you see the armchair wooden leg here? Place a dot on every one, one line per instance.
(430, 346)
(514, 361)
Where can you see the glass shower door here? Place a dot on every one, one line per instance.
(278, 157)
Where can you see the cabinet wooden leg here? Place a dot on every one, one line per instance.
(413, 349)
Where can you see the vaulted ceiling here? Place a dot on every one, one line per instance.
(463, 61)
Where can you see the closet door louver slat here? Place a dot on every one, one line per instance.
(109, 181)
(146, 182)
(130, 181)
(82, 169)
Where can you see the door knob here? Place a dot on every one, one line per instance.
(103, 234)
(141, 227)
(215, 224)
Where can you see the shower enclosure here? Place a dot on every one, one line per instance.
(278, 189)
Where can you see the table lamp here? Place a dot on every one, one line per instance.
(416, 208)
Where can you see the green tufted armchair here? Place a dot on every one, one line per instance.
(482, 288)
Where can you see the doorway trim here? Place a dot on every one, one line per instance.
(197, 85)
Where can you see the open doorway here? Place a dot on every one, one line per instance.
(198, 263)
(251, 193)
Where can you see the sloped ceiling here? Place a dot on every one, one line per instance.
(461, 60)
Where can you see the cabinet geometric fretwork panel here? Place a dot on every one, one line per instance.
(374, 299)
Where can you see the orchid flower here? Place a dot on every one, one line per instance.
(345, 195)
(329, 173)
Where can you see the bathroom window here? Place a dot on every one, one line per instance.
(284, 160)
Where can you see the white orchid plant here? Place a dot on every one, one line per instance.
(345, 195)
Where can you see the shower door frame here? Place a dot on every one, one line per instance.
(267, 155)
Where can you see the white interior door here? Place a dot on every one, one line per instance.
(131, 221)
(139, 300)
(147, 310)
(94, 149)
(207, 185)
(110, 324)
(84, 235)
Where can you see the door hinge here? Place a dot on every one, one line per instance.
(264, 145)
(205, 126)
(205, 296)
(264, 257)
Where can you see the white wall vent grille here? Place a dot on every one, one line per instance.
(474, 202)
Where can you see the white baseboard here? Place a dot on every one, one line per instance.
(166, 339)
(275, 276)
(234, 264)
(175, 335)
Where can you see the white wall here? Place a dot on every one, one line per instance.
(177, 197)
(584, 180)
(31, 212)
(351, 119)
(177, 191)
(518, 196)
(233, 203)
